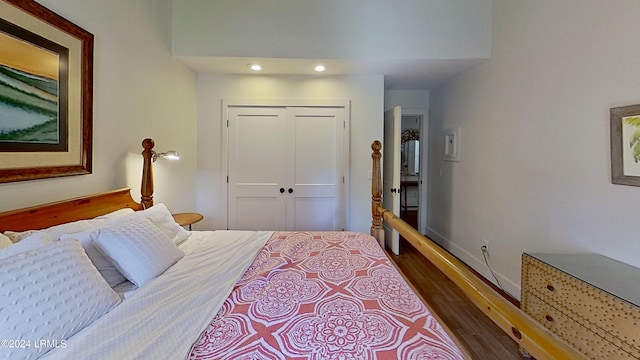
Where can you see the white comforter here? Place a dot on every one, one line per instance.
(164, 318)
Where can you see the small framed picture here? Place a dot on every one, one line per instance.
(625, 145)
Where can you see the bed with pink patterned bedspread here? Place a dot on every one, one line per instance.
(323, 295)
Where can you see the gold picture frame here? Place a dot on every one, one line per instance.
(46, 94)
(625, 145)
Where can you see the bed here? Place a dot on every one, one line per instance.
(113, 278)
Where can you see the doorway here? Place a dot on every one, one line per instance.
(404, 153)
(410, 169)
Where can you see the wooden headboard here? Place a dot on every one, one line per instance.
(81, 208)
(85, 207)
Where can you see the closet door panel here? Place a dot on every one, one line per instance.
(246, 206)
(313, 214)
(257, 168)
(317, 169)
(315, 150)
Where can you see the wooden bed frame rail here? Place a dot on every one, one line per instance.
(530, 335)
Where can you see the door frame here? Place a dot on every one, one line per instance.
(228, 102)
(391, 157)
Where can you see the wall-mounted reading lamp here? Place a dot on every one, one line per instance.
(169, 155)
(150, 156)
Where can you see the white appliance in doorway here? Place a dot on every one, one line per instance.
(286, 168)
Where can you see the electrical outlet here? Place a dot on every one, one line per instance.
(485, 247)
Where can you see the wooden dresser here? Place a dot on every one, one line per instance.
(589, 300)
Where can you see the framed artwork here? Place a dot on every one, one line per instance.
(452, 138)
(46, 94)
(625, 145)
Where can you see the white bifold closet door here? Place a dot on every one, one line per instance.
(286, 168)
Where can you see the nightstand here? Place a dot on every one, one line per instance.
(187, 219)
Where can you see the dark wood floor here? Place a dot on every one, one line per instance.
(482, 339)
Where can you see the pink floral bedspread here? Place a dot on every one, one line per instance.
(323, 295)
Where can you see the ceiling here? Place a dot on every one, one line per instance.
(404, 74)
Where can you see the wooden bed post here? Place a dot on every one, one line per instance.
(376, 194)
(147, 174)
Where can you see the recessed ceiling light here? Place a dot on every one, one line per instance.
(255, 67)
(320, 68)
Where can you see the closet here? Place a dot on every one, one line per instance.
(286, 168)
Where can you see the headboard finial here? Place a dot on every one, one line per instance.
(148, 144)
(146, 189)
(376, 193)
(376, 146)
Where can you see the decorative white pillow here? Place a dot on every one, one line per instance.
(50, 293)
(72, 227)
(161, 216)
(117, 214)
(5, 241)
(106, 268)
(55, 231)
(33, 241)
(138, 248)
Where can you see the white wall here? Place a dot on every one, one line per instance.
(139, 91)
(365, 93)
(333, 29)
(535, 169)
(408, 99)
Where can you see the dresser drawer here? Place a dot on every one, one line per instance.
(617, 320)
(581, 338)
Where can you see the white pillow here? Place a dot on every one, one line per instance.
(161, 216)
(72, 227)
(5, 241)
(117, 214)
(50, 293)
(125, 289)
(104, 265)
(55, 231)
(35, 240)
(138, 248)
(16, 236)
(106, 268)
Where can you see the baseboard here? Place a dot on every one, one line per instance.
(510, 290)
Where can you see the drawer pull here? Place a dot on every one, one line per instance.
(516, 333)
(549, 318)
(550, 288)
